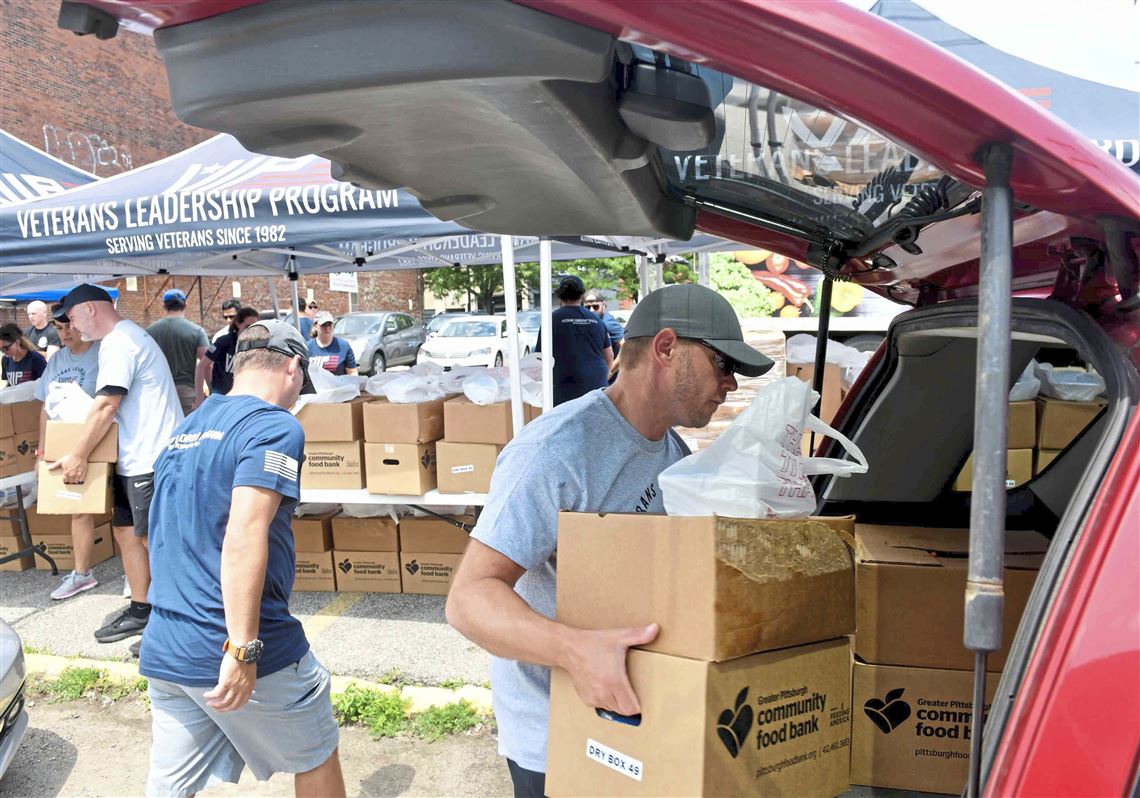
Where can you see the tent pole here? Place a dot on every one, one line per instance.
(703, 269)
(293, 277)
(642, 277)
(201, 302)
(659, 271)
(546, 333)
(273, 297)
(509, 295)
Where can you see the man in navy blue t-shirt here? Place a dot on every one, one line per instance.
(582, 351)
(231, 679)
(221, 352)
(329, 352)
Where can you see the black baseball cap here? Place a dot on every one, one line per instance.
(77, 296)
(699, 314)
(283, 338)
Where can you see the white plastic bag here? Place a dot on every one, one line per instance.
(66, 401)
(1068, 384)
(330, 388)
(755, 468)
(15, 394)
(851, 362)
(486, 389)
(372, 511)
(409, 389)
(377, 384)
(1027, 386)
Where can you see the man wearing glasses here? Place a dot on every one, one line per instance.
(683, 346)
(595, 303)
(230, 310)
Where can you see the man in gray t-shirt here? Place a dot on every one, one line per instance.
(683, 346)
(184, 344)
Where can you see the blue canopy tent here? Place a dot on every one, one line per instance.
(27, 173)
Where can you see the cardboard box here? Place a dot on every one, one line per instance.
(1018, 470)
(434, 534)
(1022, 425)
(386, 422)
(313, 572)
(60, 549)
(313, 533)
(60, 438)
(720, 588)
(910, 588)
(831, 395)
(1059, 423)
(339, 422)
(332, 465)
(367, 571)
(466, 467)
(777, 723)
(92, 496)
(402, 469)
(1043, 458)
(20, 418)
(530, 413)
(10, 545)
(364, 534)
(466, 422)
(8, 466)
(428, 573)
(18, 454)
(911, 727)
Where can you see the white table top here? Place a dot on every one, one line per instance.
(27, 478)
(431, 498)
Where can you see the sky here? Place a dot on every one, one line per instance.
(1096, 40)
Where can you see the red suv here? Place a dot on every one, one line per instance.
(808, 128)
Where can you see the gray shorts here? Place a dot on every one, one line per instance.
(287, 727)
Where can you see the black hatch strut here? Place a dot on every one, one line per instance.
(985, 595)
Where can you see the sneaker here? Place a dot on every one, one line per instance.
(74, 584)
(126, 587)
(134, 649)
(124, 626)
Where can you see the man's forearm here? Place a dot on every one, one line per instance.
(98, 421)
(491, 614)
(245, 553)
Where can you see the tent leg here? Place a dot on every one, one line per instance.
(985, 596)
(642, 277)
(703, 269)
(293, 277)
(273, 297)
(509, 295)
(546, 333)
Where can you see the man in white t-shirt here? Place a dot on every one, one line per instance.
(134, 388)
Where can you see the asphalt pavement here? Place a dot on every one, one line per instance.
(369, 635)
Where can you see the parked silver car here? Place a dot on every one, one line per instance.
(14, 718)
(380, 339)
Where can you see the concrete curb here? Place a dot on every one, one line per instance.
(420, 698)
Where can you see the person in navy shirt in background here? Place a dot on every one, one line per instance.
(231, 679)
(582, 351)
(594, 302)
(221, 353)
(21, 362)
(329, 352)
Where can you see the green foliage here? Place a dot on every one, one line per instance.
(384, 713)
(394, 677)
(73, 683)
(452, 684)
(482, 282)
(435, 723)
(733, 280)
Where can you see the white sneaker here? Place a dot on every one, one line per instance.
(73, 584)
(126, 587)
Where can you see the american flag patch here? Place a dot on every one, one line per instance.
(281, 464)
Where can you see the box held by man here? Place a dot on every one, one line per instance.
(93, 495)
(60, 438)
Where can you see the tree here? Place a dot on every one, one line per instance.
(733, 280)
(482, 282)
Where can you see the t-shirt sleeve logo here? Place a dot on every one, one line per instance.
(281, 464)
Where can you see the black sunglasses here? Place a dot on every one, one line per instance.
(595, 305)
(724, 363)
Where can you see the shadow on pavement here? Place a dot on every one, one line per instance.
(390, 780)
(42, 764)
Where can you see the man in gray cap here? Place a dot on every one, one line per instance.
(134, 389)
(232, 680)
(683, 346)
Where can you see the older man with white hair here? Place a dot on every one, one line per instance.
(42, 333)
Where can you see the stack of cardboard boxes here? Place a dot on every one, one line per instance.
(747, 688)
(400, 446)
(53, 532)
(313, 542)
(365, 554)
(430, 551)
(334, 435)
(1020, 443)
(913, 678)
(473, 437)
(19, 437)
(1058, 424)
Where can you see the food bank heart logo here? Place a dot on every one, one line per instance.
(734, 724)
(23, 447)
(412, 567)
(425, 461)
(888, 713)
(344, 566)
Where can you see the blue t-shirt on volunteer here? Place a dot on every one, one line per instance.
(29, 369)
(579, 340)
(306, 327)
(615, 330)
(336, 357)
(221, 354)
(229, 441)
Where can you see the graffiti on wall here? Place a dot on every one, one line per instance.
(88, 151)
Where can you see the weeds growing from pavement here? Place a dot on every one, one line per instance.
(386, 714)
(435, 723)
(452, 684)
(394, 677)
(73, 684)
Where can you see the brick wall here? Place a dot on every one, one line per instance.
(104, 106)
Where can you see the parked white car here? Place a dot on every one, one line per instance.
(469, 341)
